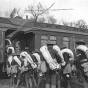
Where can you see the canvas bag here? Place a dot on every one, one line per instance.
(67, 69)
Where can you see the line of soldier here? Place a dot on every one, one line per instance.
(50, 64)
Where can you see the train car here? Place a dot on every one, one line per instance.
(34, 35)
(23, 33)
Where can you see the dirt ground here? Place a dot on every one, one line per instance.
(5, 83)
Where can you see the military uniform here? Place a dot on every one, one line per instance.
(51, 75)
(82, 61)
(10, 51)
(67, 69)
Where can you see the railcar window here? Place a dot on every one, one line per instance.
(66, 41)
(53, 39)
(44, 37)
(44, 40)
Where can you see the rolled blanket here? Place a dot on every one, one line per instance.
(57, 49)
(52, 63)
(29, 59)
(17, 60)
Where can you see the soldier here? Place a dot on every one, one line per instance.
(12, 63)
(82, 61)
(41, 68)
(52, 54)
(26, 71)
(28, 67)
(10, 51)
(67, 69)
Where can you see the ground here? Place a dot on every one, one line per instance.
(5, 83)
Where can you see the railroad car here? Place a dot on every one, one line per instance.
(23, 33)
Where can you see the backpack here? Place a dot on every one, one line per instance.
(67, 69)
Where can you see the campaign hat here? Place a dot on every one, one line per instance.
(81, 42)
(50, 43)
(63, 46)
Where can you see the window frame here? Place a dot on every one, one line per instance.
(66, 41)
(44, 39)
(52, 38)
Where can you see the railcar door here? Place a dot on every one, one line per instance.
(21, 41)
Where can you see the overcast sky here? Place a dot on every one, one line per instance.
(80, 8)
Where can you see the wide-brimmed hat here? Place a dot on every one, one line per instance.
(81, 42)
(50, 43)
(63, 46)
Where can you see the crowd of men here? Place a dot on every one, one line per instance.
(51, 64)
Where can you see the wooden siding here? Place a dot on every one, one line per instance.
(37, 41)
(59, 40)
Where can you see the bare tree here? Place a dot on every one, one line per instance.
(71, 24)
(65, 23)
(38, 11)
(81, 24)
(41, 20)
(11, 13)
(32, 19)
(14, 13)
(19, 13)
(51, 20)
(7, 14)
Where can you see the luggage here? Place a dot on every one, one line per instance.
(17, 60)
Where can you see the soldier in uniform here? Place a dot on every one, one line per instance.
(51, 75)
(82, 61)
(11, 63)
(26, 69)
(10, 51)
(67, 68)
